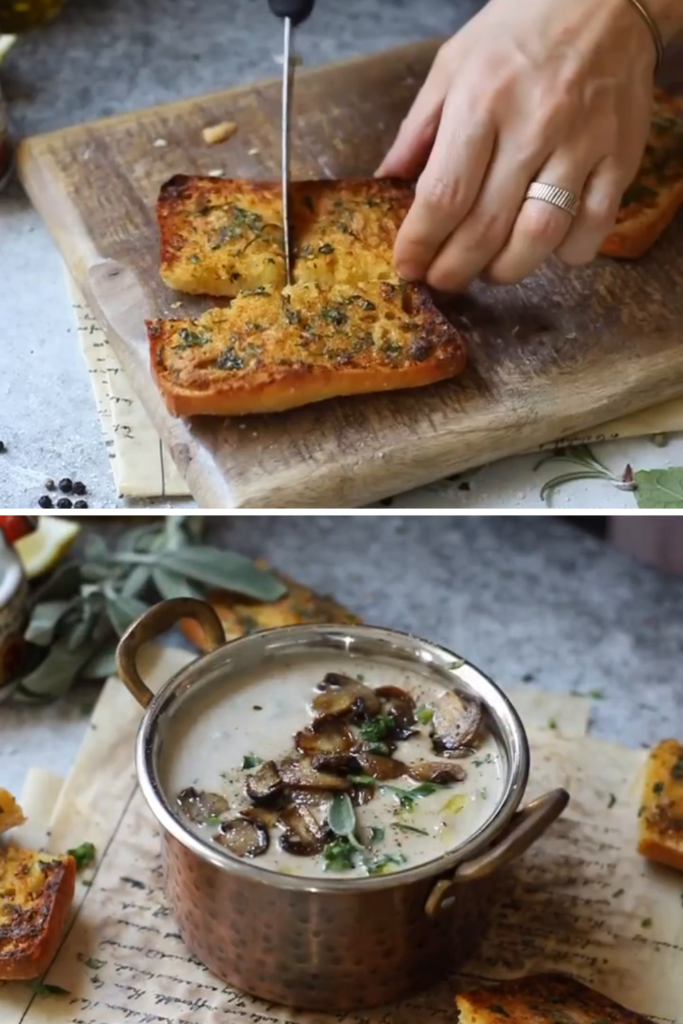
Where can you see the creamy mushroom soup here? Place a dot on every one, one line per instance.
(326, 765)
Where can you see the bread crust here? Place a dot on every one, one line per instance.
(36, 890)
(312, 343)
(542, 999)
(11, 814)
(660, 823)
(241, 616)
(656, 195)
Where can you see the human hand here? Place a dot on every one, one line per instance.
(544, 90)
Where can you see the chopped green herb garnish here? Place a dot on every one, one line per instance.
(360, 677)
(339, 855)
(376, 834)
(195, 259)
(292, 316)
(458, 663)
(83, 855)
(409, 828)
(334, 315)
(251, 761)
(618, 893)
(646, 922)
(259, 290)
(383, 865)
(229, 360)
(377, 728)
(41, 988)
(326, 249)
(552, 723)
(484, 793)
(425, 715)
(379, 748)
(658, 787)
(478, 762)
(192, 339)
(596, 694)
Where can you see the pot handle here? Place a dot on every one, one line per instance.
(525, 828)
(154, 621)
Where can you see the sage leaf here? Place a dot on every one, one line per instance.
(81, 630)
(659, 488)
(62, 584)
(57, 672)
(95, 549)
(95, 572)
(122, 609)
(172, 584)
(44, 620)
(101, 665)
(341, 817)
(214, 568)
(136, 581)
(139, 539)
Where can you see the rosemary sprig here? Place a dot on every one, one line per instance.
(589, 468)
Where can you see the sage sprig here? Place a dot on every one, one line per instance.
(79, 613)
(589, 467)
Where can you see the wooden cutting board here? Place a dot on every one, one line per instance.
(564, 352)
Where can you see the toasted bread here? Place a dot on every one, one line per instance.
(11, 813)
(268, 352)
(542, 999)
(36, 890)
(219, 237)
(654, 198)
(241, 616)
(660, 835)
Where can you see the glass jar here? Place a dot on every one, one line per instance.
(20, 15)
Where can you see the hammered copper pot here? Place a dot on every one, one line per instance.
(319, 943)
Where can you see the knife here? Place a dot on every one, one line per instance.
(292, 12)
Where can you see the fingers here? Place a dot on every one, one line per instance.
(416, 135)
(446, 189)
(540, 227)
(596, 214)
(486, 228)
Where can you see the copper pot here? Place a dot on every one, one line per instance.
(326, 944)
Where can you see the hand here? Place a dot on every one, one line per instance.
(558, 91)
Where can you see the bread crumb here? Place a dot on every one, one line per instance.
(175, 305)
(253, 152)
(216, 173)
(215, 133)
(160, 143)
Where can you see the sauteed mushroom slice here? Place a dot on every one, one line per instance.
(303, 775)
(267, 816)
(244, 837)
(264, 786)
(199, 805)
(435, 771)
(362, 795)
(303, 836)
(344, 697)
(400, 706)
(325, 736)
(360, 763)
(455, 723)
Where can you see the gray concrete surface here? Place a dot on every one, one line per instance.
(528, 599)
(104, 57)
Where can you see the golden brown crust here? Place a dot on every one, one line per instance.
(542, 999)
(220, 236)
(241, 616)
(270, 352)
(11, 813)
(36, 890)
(656, 195)
(660, 823)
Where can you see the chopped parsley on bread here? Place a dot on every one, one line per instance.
(660, 823)
(654, 198)
(241, 616)
(220, 237)
(542, 999)
(271, 351)
(36, 890)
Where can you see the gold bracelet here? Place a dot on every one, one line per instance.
(653, 27)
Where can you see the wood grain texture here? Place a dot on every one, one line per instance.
(564, 352)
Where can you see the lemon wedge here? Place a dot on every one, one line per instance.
(42, 549)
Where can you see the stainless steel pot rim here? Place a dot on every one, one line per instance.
(425, 652)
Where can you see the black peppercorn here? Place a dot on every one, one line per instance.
(80, 504)
(65, 503)
(2, 447)
(79, 487)
(45, 501)
(50, 484)
(65, 485)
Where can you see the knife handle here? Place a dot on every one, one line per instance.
(296, 10)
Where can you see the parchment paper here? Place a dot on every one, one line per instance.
(580, 901)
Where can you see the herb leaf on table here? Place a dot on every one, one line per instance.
(659, 488)
(589, 467)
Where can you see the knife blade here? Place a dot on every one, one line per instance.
(293, 13)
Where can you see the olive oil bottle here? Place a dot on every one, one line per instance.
(20, 15)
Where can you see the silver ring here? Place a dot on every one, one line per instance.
(553, 194)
